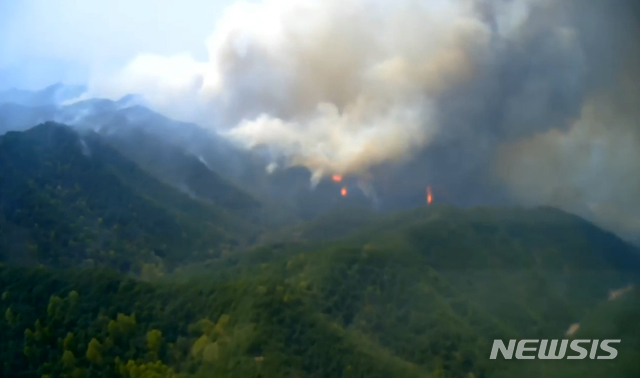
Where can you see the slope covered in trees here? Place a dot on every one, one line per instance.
(195, 160)
(353, 293)
(415, 294)
(67, 198)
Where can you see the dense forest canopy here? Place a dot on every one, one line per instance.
(109, 270)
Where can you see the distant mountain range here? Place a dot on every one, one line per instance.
(52, 95)
(193, 159)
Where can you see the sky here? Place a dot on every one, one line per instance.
(45, 41)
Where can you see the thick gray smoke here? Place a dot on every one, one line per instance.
(592, 167)
(336, 86)
(533, 101)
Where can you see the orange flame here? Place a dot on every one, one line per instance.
(429, 195)
(343, 191)
(336, 178)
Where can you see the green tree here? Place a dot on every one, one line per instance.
(122, 326)
(10, 317)
(54, 307)
(94, 351)
(154, 341)
(68, 359)
(68, 341)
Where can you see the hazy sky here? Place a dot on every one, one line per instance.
(44, 41)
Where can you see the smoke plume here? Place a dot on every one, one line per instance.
(527, 101)
(336, 86)
(593, 167)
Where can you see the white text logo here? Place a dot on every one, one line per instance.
(555, 349)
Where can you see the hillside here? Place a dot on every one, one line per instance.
(217, 292)
(166, 160)
(544, 257)
(161, 146)
(68, 199)
(414, 294)
(195, 160)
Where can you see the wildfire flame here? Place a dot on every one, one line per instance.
(429, 195)
(336, 178)
(343, 191)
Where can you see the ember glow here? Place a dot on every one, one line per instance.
(343, 191)
(336, 178)
(429, 195)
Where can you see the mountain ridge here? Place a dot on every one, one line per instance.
(60, 175)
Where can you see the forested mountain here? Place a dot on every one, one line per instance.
(67, 198)
(416, 294)
(110, 269)
(171, 151)
(320, 189)
(153, 142)
(190, 158)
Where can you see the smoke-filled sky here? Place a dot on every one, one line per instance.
(526, 101)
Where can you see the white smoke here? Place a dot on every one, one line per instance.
(337, 86)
